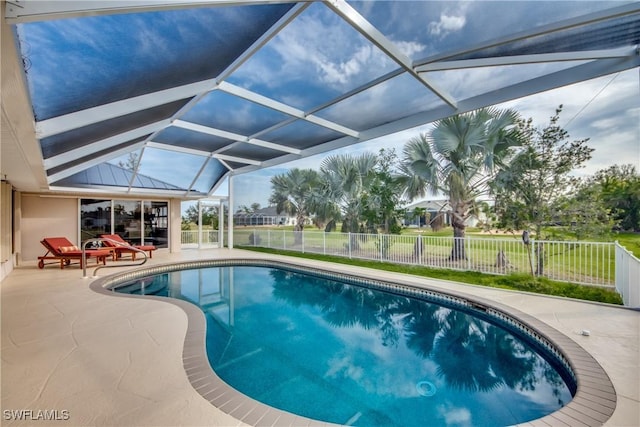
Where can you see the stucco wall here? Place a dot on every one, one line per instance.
(46, 217)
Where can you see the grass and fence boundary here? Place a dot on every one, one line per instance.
(596, 264)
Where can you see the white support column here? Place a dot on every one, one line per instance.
(199, 225)
(220, 224)
(175, 230)
(230, 214)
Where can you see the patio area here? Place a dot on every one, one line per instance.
(99, 360)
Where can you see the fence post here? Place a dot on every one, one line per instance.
(269, 238)
(530, 248)
(349, 237)
(627, 268)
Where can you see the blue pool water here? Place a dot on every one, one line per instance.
(347, 354)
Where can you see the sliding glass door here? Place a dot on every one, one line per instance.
(127, 220)
(95, 218)
(156, 224)
(136, 221)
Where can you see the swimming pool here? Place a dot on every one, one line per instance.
(418, 355)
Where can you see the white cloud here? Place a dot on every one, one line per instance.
(606, 110)
(410, 48)
(455, 416)
(446, 25)
(342, 72)
(298, 53)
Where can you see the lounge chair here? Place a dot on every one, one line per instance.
(64, 252)
(121, 246)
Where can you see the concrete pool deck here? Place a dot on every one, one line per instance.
(91, 359)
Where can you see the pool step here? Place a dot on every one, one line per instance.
(351, 421)
(238, 359)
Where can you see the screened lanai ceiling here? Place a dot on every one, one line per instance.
(188, 92)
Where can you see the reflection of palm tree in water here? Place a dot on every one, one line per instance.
(341, 305)
(474, 355)
(471, 354)
(458, 351)
(421, 327)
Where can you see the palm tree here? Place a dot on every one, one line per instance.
(458, 157)
(346, 180)
(384, 195)
(295, 193)
(420, 213)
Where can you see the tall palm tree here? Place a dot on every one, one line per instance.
(458, 157)
(346, 180)
(295, 193)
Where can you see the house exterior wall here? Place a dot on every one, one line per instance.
(43, 216)
(46, 217)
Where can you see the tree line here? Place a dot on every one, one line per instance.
(488, 154)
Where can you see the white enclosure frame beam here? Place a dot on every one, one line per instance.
(177, 149)
(528, 59)
(234, 136)
(263, 40)
(115, 109)
(93, 162)
(237, 159)
(101, 145)
(364, 27)
(284, 108)
(30, 11)
(615, 12)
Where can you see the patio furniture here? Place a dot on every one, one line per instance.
(121, 246)
(65, 252)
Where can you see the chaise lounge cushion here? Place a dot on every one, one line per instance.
(64, 251)
(121, 246)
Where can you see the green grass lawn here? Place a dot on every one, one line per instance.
(521, 282)
(631, 241)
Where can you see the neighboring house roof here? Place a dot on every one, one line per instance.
(430, 205)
